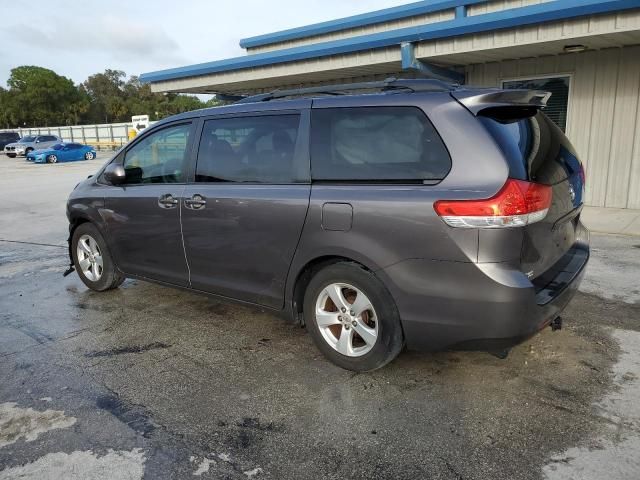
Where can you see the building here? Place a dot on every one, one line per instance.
(587, 52)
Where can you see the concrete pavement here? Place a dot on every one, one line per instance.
(151, 382)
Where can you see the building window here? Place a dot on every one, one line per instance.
(557, 106)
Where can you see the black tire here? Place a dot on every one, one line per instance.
(52, 159)
(110, 277)
(390, 338)
(11, 155)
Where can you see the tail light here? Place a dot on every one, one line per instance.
(518, 203)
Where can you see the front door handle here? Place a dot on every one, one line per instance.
(196, 202)
(167, 201)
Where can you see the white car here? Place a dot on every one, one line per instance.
(29, 143)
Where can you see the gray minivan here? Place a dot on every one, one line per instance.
(378, 215)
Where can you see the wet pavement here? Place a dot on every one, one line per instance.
(151, 382)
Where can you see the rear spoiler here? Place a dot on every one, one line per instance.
(490, 102)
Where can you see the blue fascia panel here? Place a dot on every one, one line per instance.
(540, 13)
(461, 11)
(370, 18)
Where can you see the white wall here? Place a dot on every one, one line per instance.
(89, 134)
(604, 115)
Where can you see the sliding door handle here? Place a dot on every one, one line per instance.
(196, 202)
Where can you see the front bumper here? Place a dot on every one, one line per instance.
(18, 153)
(474, 306)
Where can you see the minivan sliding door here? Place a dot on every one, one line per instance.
(243, 214)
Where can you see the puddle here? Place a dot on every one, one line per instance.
(616, 454)
(27, 423)
(80, 465)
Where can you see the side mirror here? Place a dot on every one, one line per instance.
(37, 141)
(114, 174)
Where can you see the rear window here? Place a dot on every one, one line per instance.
(378, 144)
(535, 148)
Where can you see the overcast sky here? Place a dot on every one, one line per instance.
(77, 38)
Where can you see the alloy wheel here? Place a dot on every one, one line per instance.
(89, 258)
(346, 319)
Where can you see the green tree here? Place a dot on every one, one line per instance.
(39, 97)
(106, 95)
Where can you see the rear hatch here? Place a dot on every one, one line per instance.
(538, 151)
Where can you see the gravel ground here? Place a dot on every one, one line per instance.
(150, 382)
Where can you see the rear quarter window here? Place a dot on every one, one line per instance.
(377, 144)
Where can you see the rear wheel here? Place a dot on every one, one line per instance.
(52, 159)
(88, 156)
(352, 318)
(93, 260)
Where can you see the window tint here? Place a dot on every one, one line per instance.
(376, 144)
(47, 138)
(536, 149)
(159, 157)
(248, 149)
(557, 105)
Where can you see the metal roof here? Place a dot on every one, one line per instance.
(369, 18)
(533, 14)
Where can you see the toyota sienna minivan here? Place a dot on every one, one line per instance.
(378, 215)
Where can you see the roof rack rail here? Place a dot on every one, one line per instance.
(413, 85)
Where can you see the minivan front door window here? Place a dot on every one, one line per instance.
(158, 158)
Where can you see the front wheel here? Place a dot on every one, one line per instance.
(352, 318)
(52, 159)
(88, 156)
(93, 260)
(11, 155)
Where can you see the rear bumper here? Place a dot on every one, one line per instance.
(476, 306)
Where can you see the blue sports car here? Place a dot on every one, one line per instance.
(62, 152)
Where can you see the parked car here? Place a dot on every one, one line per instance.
(29, 143)
(423, 214)
(63, 152)
(8, 137)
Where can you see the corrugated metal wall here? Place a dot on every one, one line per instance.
(497, 5)
(604, 115)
